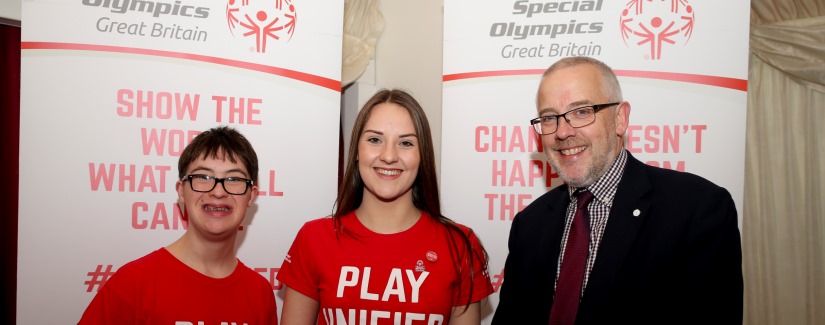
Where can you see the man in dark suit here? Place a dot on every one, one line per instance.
(659, 246)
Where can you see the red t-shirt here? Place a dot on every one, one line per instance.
(364, 277)
(160, 289)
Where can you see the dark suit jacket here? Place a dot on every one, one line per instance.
(678, 262)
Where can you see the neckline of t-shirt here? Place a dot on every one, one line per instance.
(360, 230)
(207, 280)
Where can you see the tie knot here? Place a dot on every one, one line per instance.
(583, 197)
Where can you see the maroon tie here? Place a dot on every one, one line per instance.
(571, 276)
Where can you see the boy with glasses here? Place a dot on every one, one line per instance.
(197, 279)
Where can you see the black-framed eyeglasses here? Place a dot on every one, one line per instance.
(206, 183)
(577, 118)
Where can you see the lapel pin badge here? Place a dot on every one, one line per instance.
(432, 256)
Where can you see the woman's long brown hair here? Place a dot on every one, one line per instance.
(424, 189)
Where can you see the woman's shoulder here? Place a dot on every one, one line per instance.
(450, 224)
(322, 222)
(325, 226)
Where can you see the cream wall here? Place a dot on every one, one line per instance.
(407, 56)
(10, 9)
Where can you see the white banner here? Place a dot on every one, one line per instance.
(682, 65)
(113, 90)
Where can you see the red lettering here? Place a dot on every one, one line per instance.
(499, 172)
(162, 105)
(670, 138)
(159, 216)
(508, 205)
(664, 138)
(498, 139)
(632, 139)
(137, 208)
(152, 178)
(271, 189)
(516, 143)
(699, 129)
(480, 146)
(516, 175)
(651, 135)
(520, 174)
(171, 142)
(124, 97)
(237, 110)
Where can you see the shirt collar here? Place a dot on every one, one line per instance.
(604, 188)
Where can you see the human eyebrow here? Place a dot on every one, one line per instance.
(546, 112)
(239, 171)
(201, 169)
(579, 104)
(374, 131)
(574, 105)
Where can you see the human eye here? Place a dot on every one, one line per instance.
(549, 119)
(373, 139)
(583, 112)
(235, 180)
(201, 178)
(407, 143)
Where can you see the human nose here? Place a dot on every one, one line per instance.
(389, 154)
(219, 190)
(564, 129)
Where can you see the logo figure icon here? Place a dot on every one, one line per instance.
(656, 24)
(419, 266)
(262, 20)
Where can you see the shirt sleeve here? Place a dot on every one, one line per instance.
(298, 271)
(475, 285)
(108, 305)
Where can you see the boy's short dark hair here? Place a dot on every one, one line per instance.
(220, 142)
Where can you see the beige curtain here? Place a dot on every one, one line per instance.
(363, 24)
(784, 214)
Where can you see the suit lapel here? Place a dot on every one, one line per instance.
(626, 217)
(553, 222)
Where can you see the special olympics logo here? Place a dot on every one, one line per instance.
(262, 20)
(657, 23)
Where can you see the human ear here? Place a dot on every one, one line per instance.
(252, 197)
(622, 116)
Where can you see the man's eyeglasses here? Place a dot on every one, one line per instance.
(577, 117)
(205, 183)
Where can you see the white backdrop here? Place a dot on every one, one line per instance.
(682, 65)
(110, 96)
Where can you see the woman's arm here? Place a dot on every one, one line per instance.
(298, 309)
(471, 316)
